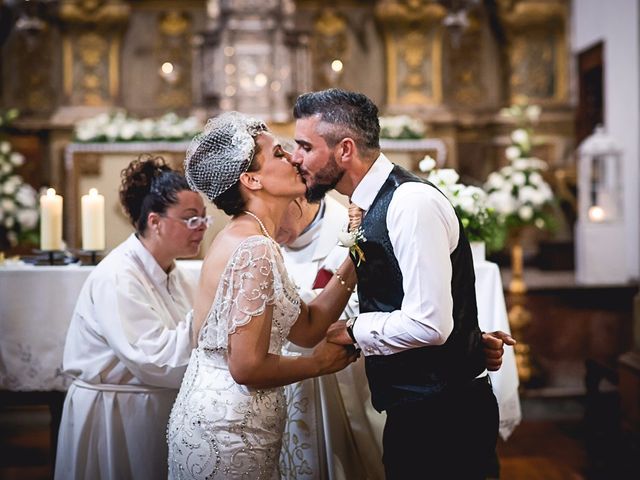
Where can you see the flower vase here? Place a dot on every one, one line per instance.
(478, 251)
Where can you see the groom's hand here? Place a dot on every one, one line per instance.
(494, 348)
(337, 333)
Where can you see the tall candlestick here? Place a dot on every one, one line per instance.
(93, 221)
(51, 221)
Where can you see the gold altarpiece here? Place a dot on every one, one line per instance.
(91, 42)
(96, 55)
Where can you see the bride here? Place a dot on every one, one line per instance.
(229, 415)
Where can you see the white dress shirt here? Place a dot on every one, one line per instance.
(423, 230)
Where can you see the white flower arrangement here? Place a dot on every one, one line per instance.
(401, 127)
(479, 219)
(119, 127)
(518, 192)
(18, 200)
(525, 116)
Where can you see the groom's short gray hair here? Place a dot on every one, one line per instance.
(347, 114)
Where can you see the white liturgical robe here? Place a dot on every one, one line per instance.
(331, 416)
(127, 348)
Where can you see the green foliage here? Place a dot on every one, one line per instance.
(485, 226)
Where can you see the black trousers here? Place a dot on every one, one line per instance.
(449, 436)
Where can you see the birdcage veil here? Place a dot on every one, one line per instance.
(221, 153)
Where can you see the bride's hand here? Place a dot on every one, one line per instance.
(337, 333)
(332, 357)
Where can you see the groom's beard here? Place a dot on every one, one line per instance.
(326, 179)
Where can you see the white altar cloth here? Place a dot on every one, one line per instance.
(35, 310)
(492, 315)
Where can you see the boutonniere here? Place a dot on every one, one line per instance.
(351, 240)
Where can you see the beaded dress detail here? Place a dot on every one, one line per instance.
(219, 429)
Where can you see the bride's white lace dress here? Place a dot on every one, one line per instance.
(218, 428)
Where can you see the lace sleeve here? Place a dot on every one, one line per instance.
(246, 288)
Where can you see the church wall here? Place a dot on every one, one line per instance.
(619, 28)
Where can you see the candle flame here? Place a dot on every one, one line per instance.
(93, 192)
(596, 214)
(51, 192)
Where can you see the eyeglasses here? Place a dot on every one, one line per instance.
(196, 222)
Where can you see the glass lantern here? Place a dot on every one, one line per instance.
(600, 229)
(600, 178)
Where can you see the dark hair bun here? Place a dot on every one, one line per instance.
(147, 185)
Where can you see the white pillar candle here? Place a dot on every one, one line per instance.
(93, 221)
(51, 221)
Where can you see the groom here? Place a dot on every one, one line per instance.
(418, 324)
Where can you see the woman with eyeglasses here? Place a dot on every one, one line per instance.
(130, 337)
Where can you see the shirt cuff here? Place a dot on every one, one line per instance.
(369, 340)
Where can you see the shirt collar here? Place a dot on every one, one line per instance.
(366, 191)
(147, 261)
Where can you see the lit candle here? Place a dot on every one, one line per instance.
(51, 221)
(596, 213)
(93, 221)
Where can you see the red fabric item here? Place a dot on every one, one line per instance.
(322, 278)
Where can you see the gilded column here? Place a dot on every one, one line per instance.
(92, 35)
(173, 53)
(330, 47)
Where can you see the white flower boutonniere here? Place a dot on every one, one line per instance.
(351, 241)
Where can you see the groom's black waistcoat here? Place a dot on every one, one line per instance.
(418, 373)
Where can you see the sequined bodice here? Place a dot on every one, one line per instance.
(218, 428)
(254, 278)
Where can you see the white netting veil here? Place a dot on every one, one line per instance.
(221, 153)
